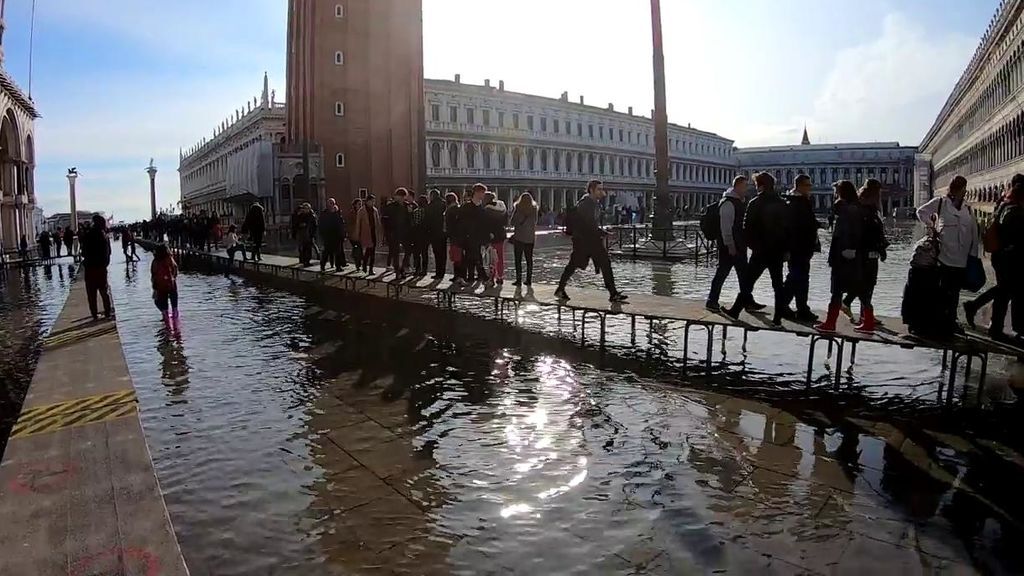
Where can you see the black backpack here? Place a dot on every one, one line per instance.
(570, 219)
(711, 222)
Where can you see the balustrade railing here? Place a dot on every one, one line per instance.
(677, 242)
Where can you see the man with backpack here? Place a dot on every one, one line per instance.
(588, 243)
(723, 222)
(766, 231)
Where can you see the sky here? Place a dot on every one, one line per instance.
(121, 81)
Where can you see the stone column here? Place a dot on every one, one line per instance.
(445, 157)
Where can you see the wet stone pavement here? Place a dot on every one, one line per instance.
(338, 434)
(30, 300)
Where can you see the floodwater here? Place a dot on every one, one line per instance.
(313, 434)
(30, 300)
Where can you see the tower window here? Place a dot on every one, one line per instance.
(339, 160)
(339, 11)
(339, 108)
(339, 58)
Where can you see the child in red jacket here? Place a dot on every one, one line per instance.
(164, 273)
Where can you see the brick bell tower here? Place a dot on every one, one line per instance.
(355, 88)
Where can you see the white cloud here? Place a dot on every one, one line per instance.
(892, 87)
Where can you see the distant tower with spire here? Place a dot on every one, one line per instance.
(806, 141)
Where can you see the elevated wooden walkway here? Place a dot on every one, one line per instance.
(78, 493)
(692, 313)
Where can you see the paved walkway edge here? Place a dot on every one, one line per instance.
(78, 491)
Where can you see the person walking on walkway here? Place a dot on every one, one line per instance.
(588, 243)
(418, 241)
(69, 240)
(304, 232)
(95, 260)
(804, 244)
(164, 276)
(1008, 263)
(353, 236)
(55, 238)
(524, 236)
(127, 241)
(474, 234)
(233, 245)
(435, 233)
(497, 220)
(732, 249)
(957, 231)
(767, 232)
(844, 255)
(332, 232)
(369, 230)
(397, 224)
(453, 232)
(255, 226)
(874, 248)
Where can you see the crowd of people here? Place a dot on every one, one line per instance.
(772, 232)
(49, 244)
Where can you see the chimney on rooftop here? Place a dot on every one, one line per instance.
(501, 85)
(458, 78)
(611, 107)
(565, 96)
(487, 83)
(630, 110)
(581, 99)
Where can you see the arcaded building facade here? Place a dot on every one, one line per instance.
(979, 133)
(17, 159)
(238, 164)
(551, 147)
(887, 162)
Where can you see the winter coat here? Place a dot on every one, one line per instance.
(803, 227)
(731, 212)
(397, 217)
(586, 233)
(434, 219)
(451, 223)
(524, 223)
(332, 227)
(958, 231)
(304, 226)
(164, 274)
(766, 224)
(95, 248)
(497, 220)
(474, 230)
(369, 236)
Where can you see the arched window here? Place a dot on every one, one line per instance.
(517, 159)
(471, 156)
(601, 163)
(568, 161)
(502, 151)
(592, 171)
(556, 160)
(621, 166)
(435, 154)
(531, 157)
(544, 160)
(453, 154)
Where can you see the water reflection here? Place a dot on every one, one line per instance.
(30, 299)
(326, 435)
